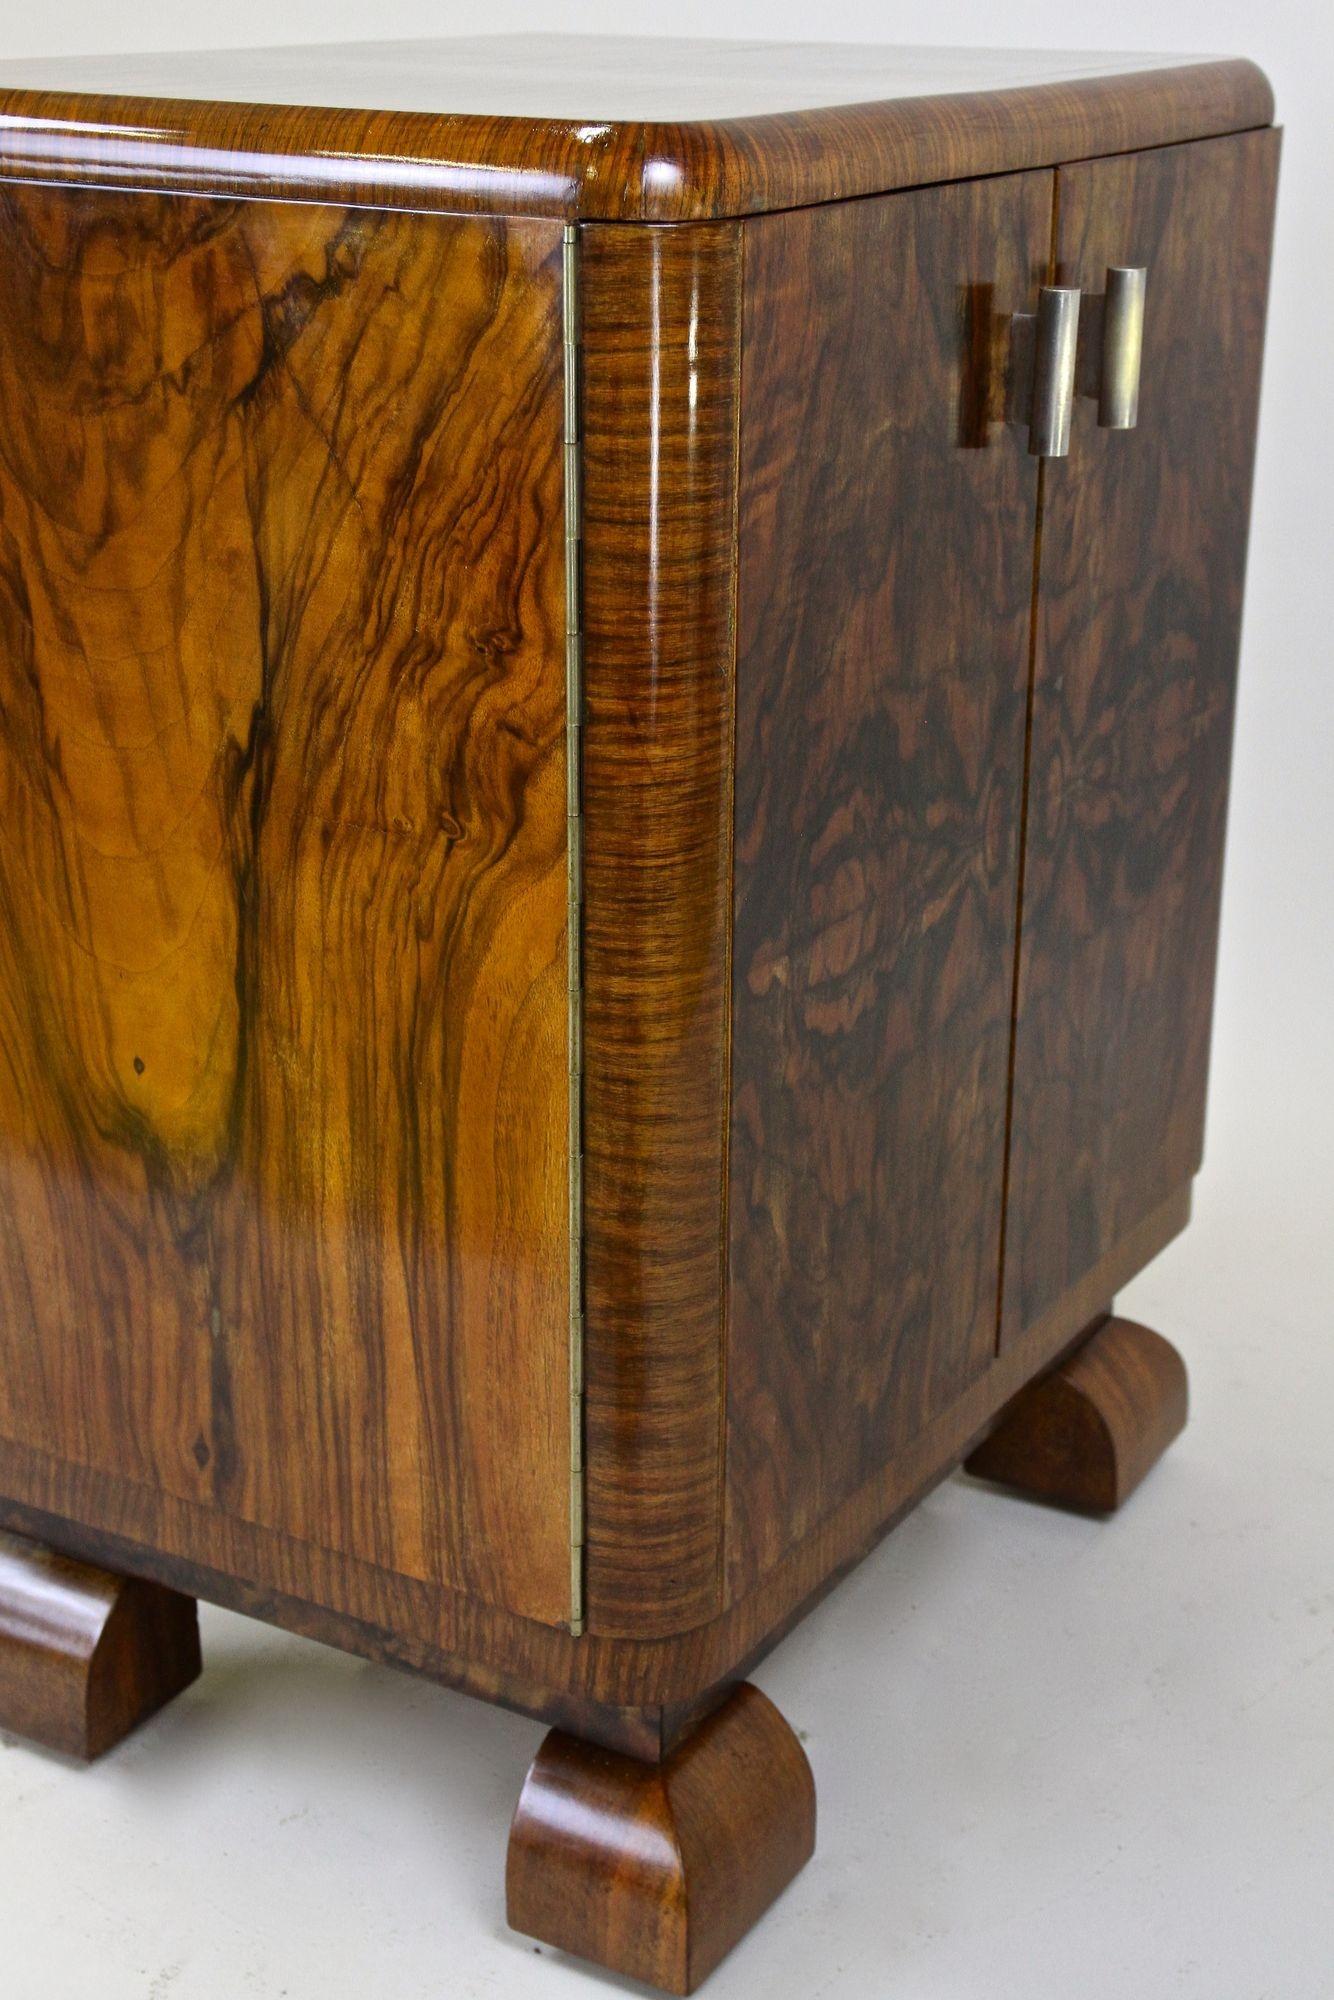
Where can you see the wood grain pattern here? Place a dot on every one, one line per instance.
(86, 1656)
(586, 1684)
(1143, 552)
(657, 1872)
(1086, 1435)
(890, 118)
(661, 354)
(282, 782)
(282, 877)
(884, 600)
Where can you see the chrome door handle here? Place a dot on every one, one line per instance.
(1057, 341)
(1043, 347)
(1122, 347)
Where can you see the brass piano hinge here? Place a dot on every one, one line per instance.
(574, 723)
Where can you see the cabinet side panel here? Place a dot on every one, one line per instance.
(283, 878)
(1139, 611)
(661, 341)
(885, 580)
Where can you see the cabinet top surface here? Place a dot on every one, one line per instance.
(617, 127)
(574, 78)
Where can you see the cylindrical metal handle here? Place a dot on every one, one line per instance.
(1122, 348)
(1057, 338)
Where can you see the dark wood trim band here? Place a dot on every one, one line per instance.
(661, 363)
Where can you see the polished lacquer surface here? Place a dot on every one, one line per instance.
(607, 127)
(884, 593)
(1135, 673)
(661, 378)
(84, 1656)
(283, 1095)
(283, 1283)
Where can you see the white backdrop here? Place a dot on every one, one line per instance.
(1055, 1762)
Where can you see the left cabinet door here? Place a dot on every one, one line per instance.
(283, 880)
(886, 531)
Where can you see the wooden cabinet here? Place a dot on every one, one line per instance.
(610, 889)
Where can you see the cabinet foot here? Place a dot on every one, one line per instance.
(657, 1870)
(1085, 1435)
(86, 1656)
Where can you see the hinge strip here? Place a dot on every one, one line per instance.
(574, 725)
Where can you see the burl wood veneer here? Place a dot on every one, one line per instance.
(609, 889)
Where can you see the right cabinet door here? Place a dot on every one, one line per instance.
(1142, 550)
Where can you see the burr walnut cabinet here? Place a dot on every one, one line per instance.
(616, 680)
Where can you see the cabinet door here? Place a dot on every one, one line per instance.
(885, 581)
(283, 1069)
(1139, 604)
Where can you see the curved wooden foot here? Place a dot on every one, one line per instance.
(657, 1870)
(86, 1656)
(1085, 1435)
